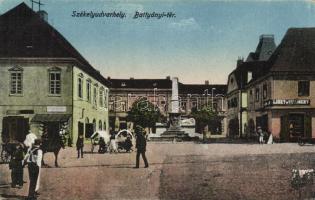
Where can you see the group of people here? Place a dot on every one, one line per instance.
(112, 146)
(262, 135)
(29, 153)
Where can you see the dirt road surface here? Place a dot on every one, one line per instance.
(177, 171)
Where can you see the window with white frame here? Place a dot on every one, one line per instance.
(55, 81)
(95, 96)
(101, 97)
(80, 86)
(16, 82)
(106, 98)
(88, 90)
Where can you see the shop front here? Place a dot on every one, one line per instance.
(52, 125)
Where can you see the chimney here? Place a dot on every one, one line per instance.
(206, 82)
(168, 78)
(132, 78)
(43, 15)
(108, 77)
(239, 61)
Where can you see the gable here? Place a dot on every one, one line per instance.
(232, 83)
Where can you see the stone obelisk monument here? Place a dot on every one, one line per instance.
(174, 130)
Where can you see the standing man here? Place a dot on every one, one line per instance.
(80, 145)
(141, 144)
(34, 158)
(16, 166)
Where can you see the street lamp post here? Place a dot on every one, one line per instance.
(212, 98)
(206, 93)
(154, 100)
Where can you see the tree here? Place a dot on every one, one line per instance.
(144, 113)
(207, 117)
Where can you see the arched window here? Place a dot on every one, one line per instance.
(100, 125)
(16, 80)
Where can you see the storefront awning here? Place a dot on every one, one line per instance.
(51, 118)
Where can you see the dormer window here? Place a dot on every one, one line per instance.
(16, 81)
(123, 84)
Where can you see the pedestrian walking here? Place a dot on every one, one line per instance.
(33, 159)
(260, 135)
(16, 166)
(80, 145)
(141, 144)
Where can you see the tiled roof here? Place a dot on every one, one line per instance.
(23, 34)
(296, 52)
(202, 89)
(166, 84)
(258, 69)
(141, 83)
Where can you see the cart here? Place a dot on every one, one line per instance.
(305, 140)
(95, 139)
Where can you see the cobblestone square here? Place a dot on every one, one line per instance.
(177, 171)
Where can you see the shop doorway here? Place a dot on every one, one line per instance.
(89, 129)
(15, 128)
(296, 125)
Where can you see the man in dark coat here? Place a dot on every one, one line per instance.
(80, 145)
(141, 144)
(16, 166)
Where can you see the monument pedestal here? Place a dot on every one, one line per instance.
(174, 131)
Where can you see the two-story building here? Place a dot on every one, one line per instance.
(282, 95)
(159, 91)
(45, 82)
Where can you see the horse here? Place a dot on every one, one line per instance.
(52, 145)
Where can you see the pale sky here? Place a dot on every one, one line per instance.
(201, 43)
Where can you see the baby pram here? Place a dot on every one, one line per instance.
(125, 141)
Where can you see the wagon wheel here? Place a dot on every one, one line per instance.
(5, 156)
